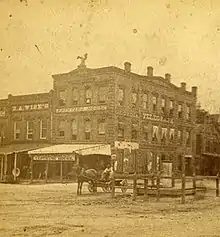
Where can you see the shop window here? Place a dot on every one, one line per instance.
(75, 96)
(163, 134)
(172, 134)
(145, 101)
(163, 105)
(121, 96)
(145, 133)
(30, 130)
(88, 96)
(154, 103)
(62, 98)
(171, 108)
(101, 127)
(121, 130)
(43, 129)
(102, 95)
(134, 132)
(180, 111)
(74, 129)
(87, 130)
(134, 96)
(61, 129)
(17, 130)
(155, 133)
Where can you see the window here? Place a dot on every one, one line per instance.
(188, 112)
(121, 130)
(75, 96)
(62, 98)
(188, 138)
(29, 130)
(163, 134)
(87, 129)
(43, 129)
(179, 136)
(88, 96)
(16, 131)
(163, 104)
(145, 131)
(172, 134)
(171, 108)
(154, 103)
(74, 129)
(134, 132)
(134, 98)
(145, 100)
(155, 133)
(102, 95)
(61, 128)
(121, 96)
(180, 109)
(101, 128)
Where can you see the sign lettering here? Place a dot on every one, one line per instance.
(157, 118)
(30, 107)
(55, 157)
(81, 109)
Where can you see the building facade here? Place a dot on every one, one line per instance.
(147, 120)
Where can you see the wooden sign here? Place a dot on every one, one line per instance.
(157, 118)
(54, 157)
(82, 109)
(29, 107)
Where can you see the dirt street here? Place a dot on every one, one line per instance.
(55, 210)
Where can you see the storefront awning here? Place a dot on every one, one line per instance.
(82, 149)
(18, 148)
(211, 154)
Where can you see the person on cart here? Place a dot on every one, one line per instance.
(106, 173)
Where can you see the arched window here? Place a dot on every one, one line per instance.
(87, 129)
(88, 96)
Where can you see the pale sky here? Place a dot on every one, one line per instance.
(181, 37)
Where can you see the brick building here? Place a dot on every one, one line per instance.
(208, 143)
(128, 111)
(25, 123)
(142, 118)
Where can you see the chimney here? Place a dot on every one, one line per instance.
(194, 91)
(150, 71)
(183, 86)
(168, 77)
(127, 67)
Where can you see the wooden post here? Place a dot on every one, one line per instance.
(146, 189)
(113, 187)
(217, 185)
(135, 187)
(173, 173)
(5, 164)
(32, 169)
(15, 165)
(2, 166)
(158, 179)
(46, 171)
(61, 170)
(194, 174)
(183, 179)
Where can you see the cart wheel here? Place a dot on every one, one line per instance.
(124, 183)
(91, 187)
(105, 189)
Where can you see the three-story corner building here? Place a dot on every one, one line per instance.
(143, 118)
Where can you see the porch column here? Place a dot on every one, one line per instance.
(46, 171)
(15, 165)
(32, 169)
(2, 164)
(6, 164)
(61, 170)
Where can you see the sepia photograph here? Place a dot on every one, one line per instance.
(110, 118)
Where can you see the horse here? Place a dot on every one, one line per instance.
(83, 175)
